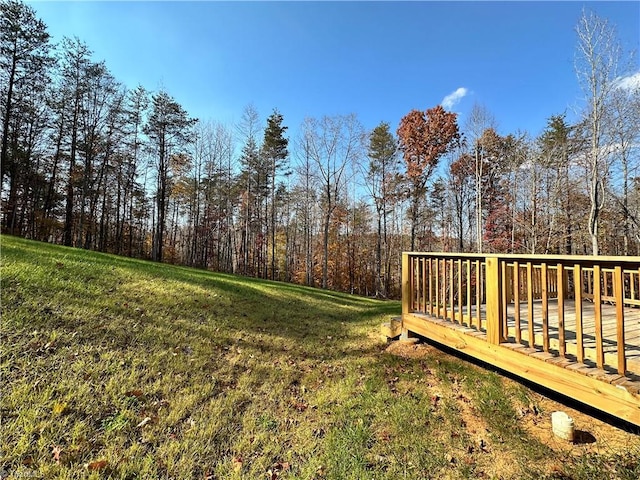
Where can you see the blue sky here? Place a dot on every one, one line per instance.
(378, 60)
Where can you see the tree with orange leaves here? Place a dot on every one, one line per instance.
(424, 138)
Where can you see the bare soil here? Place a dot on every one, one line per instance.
(593, 435)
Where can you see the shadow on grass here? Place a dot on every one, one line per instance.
(186, 303)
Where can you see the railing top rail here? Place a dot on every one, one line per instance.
(632, 261)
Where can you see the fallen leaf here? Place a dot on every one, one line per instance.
(143, 422)
(59, 408)
(56, 451)
(134, 393)
(97, 465)
(237, 463)
(300, 406)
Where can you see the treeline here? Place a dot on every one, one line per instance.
(87, 162)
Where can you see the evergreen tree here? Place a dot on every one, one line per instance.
(169, 130)
(274, 151)
(24, 66)
(382, 181)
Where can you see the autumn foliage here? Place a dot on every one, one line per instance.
(424, 138)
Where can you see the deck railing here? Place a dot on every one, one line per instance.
(585, 309)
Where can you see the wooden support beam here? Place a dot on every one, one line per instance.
(495, 312)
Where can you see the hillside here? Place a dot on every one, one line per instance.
(120, 368)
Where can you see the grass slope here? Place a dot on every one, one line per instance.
(119, 368)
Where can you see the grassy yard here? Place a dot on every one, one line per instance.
(119, 368)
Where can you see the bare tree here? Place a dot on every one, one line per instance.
(478, 122)
(623, 114)
(596, 63)
(334, 143)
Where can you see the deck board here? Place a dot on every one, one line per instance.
(609, 329)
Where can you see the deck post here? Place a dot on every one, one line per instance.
(406, 291)
(406, 287)
(495, 313)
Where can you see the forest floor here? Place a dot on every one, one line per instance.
(120, 368)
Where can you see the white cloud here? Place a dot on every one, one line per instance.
(454, 98)
(630, 82)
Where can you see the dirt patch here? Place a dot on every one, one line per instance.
(488, 460)
(592, 434)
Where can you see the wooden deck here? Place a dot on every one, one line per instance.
(571, 324)
(609, 331)
(610, 343)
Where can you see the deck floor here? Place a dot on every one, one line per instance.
(610, 343)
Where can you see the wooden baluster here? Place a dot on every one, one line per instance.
(451, 292)
(437, 303)
(532, 335)
(442, 294)
(430, 286)
(423, 283)
(618, 293)
(443, 289)
(460, 317)
(545, 307)
(516, 300)
(417, 285)
(560, 295)
(597, 304)
(445, 280)
(410, 281)
(504, 296)
(478, 294)
(577, 282)
(470, 321)
(416, 274)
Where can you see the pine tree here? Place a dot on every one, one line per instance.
(274, 151)
(24, 63)
(169, 130)
(382, 181)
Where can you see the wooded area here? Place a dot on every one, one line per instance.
(92, 163)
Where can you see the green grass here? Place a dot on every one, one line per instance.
(120, 368)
